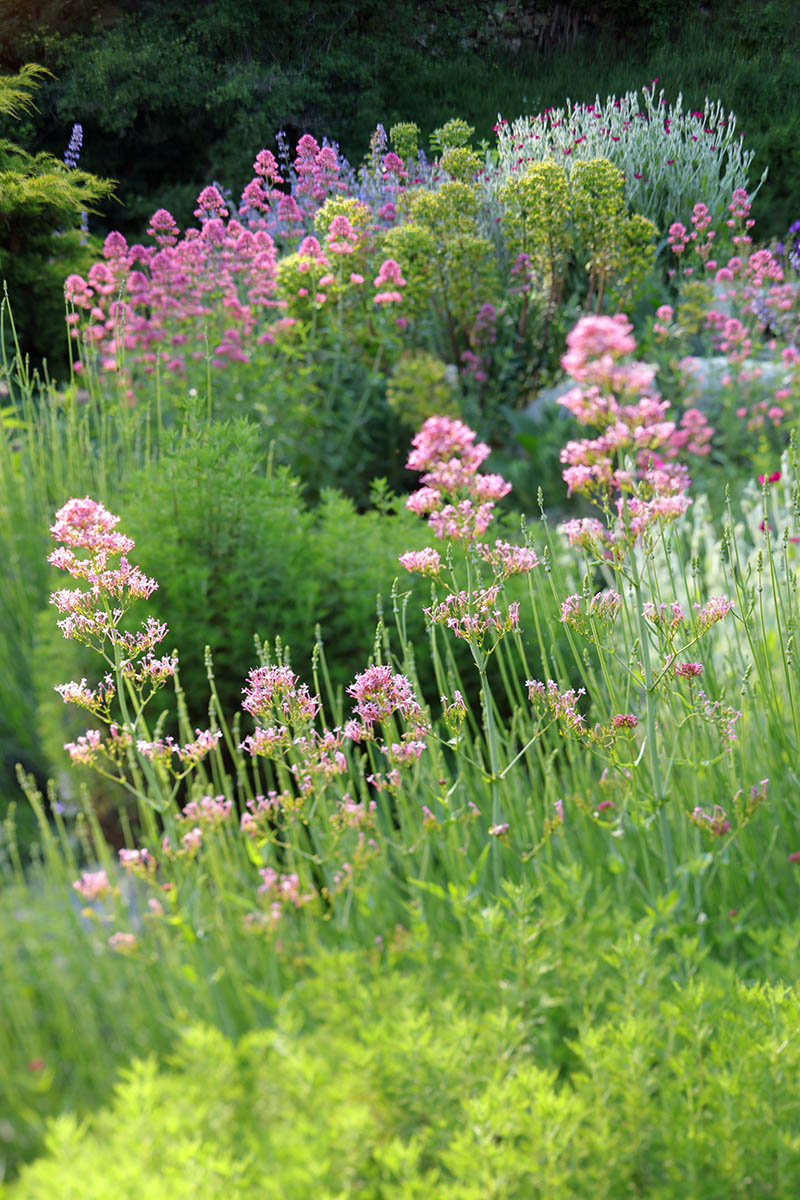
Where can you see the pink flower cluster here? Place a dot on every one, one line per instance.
(604, 607)
(389, 276)
(715, 823)
(617, 396)
(275, 693)
(221, 276)
(379, 693)
(562, 705)
(92, 885)
(712, 611)
(162, 749)
(754, 304)
(458, 499)
(471, 615)
(93, 616)
(688, 670)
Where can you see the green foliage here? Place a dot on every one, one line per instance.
(236, 552)
(579, 218)
(41, 200)
(461, 163)
(454, 134)
(464, 266)
(413, 246)
(419, 388)
(394, 1093)
(404, 138)
(537, 214)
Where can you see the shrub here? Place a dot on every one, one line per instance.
(414, 1095)
(41, 201)
(237, 552)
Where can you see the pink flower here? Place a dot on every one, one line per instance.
(498, 830)
(163, 228)
(210, 204)
(275, 690)
(389, 272)
(688, 670)
(712, 611)
(86, 524)
(379, 692)
(122, 941)
(426, 562)
(266, 166)
(92, 885)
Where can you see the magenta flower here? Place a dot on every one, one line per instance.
(472, 615)
(86, 524)
(266, 166)
(210, 204)
(688, 670)
(712, 611)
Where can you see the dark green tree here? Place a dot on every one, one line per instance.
(41, 241)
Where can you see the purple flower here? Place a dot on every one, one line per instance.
(73, 151)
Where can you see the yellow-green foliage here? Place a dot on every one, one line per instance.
(454, 133)
(414, 1096)
(405, 140)
(37, 187)
(464, 264)
(359, 215)
(450, 209)
(41, 200)
(637, 254)
(598, 208)
(419, 388)
(537, 216)
(554, 217)
(695, 301)
(461, 163)
(413, 247)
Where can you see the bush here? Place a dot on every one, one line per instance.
(41, 201)
(394, 1093)
(237, 552)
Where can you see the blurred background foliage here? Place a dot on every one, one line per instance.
(171, 96)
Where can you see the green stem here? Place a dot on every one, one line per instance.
(652, 739)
